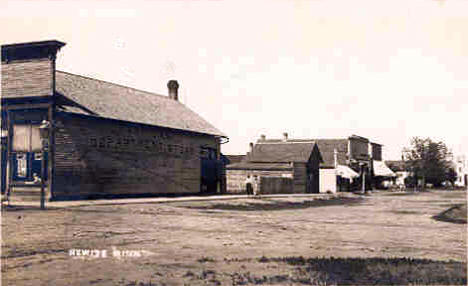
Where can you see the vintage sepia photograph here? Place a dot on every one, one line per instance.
(211, 142)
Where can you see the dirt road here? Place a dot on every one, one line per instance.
(211, 242)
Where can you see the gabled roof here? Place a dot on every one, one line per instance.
(281, 152)
(259, 166)
(397, 165)
(235, 158)
(83, 95)
(325, 146)
(31, 50)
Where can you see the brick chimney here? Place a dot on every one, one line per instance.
(173, 87)
(285, 136)
(262, 137)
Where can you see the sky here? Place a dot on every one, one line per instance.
(385, 70)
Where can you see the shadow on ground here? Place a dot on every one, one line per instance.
(336, 271)
(455, 214)
(25, 208)
(271, 205)
(375, 271)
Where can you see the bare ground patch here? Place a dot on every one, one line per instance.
(220, 243)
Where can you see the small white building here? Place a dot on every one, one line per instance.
(461, 167)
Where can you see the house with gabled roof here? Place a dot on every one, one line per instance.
(106, 139)
(298, 163)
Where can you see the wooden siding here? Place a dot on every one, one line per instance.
(95, 156)
(236, 178)
(314, 169)
(276, 185)
(27, 78)
(359, 149)
(376, 152)
(300, 177)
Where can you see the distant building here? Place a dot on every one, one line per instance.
(342, 164)
(401, 171)
(284, 166)
(461, 167)
(232, 159)
(106, 139)
(348, 160)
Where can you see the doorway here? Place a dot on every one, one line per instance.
(27, 166)
(26, 156)
(209, 170)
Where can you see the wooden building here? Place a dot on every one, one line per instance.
(344, 162)
(106, 139)
(348, 162)
(281, 166)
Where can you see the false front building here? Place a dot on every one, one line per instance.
(106, 139)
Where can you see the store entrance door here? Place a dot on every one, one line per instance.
(26, 154)
(27, 166)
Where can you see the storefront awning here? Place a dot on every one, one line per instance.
(346, 172)
(380, 169)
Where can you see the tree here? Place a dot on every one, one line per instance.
(428, 160)
(451, 176)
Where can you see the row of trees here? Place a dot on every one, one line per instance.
(429, 162)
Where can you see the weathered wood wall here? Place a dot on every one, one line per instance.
(276, 185)
(359, 149)
(376, 152)
(27, 78)
(300, 177)
(236, 178)
(95, 156)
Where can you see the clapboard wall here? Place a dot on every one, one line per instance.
(236, 178)
(107, 157)
(27, 78)
(276, 185)
(300, 177)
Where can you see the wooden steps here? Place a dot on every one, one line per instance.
(28, 194)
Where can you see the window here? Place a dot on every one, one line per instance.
(38, 156)
(26, 138)
(208, 153)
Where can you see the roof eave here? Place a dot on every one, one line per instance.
(140, 123)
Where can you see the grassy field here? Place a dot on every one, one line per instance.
(378, 239)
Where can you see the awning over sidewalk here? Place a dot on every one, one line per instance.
(346, 172)
(380, 169)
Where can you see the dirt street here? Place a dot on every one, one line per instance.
(212, 243)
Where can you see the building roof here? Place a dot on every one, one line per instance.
(34, 44)
(325, 146)
(396, 166)
(327, 149)
(281, 152)
(235, 158)
(259, 166)
(83, 95)
(30, 50)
